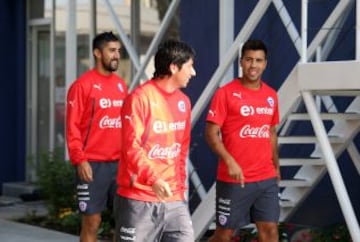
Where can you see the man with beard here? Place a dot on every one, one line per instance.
(93, 132)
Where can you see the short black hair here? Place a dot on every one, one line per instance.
(171, 52)
(254, 44)
(101, 39)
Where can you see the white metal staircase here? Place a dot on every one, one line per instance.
(318, 79)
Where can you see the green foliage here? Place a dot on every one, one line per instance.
(56, 182)
(107, 224)
(30, 216)
(338, 233)
(70, 223)
(295, 232)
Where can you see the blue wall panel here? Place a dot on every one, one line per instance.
(199, 27)
(12, 91)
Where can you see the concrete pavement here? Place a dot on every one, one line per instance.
(11, 231)
(14, 232)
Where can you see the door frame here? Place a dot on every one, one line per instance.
(36, 26)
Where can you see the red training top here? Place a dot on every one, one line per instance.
(245, 117)
(156, 137)
(93, 121)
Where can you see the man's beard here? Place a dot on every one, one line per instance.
(111, 65)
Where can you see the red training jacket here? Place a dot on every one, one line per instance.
(93, 117)
(156, 138)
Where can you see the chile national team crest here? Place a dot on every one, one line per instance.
(181, 106)
(82, 206)
(222, 219)
(270, 101)
(120, 87)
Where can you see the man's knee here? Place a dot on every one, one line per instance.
(91, 222)
(221, 235)
(268, 231)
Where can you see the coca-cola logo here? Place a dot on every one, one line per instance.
(255, 132)
(170, 152)
(110, 123)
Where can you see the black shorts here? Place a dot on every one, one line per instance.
(237, 206)
(95, 196)
(140, 221)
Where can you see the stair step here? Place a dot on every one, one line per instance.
(16, 189)
(326, 116)
(306, 139)
(7, 201)
(294, 183)
(301, 161)
(287, 204)
(342, 93)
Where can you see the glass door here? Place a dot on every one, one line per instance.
(39, 96)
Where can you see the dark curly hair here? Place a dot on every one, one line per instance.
(171, 52)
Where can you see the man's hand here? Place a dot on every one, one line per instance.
(85, 172)
(162, 189)
(278, 174)
(235, 171)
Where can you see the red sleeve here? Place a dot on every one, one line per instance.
(134, 136)
(74, 112)
(218, 108)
